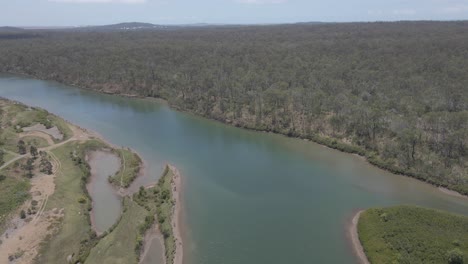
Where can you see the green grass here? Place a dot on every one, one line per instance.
(17, 115)
(159, 200)
(129, 171)
(75, 234)
(408, 234)
(9, 139)
(38, 142)
(14, 192)
(118, 247)
(7, 157)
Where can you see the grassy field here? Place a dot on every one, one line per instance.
(7, 157)
(14, 191)
(131, 164)
(407, 234)
(38, 142)
(16, 116)
(124, 243)
(159, 199)
(118, 247)
(75, 234)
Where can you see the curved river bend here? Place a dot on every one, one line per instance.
(249, 197)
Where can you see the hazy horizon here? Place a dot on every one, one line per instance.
(66, 13)
(228, 24)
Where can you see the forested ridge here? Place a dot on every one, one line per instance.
(396, 93)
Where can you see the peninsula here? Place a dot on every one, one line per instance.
(45, 207)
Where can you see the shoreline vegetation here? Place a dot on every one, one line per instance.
(162, 201)
(131, 168)
(58, 225)
(409, 234)
(333, 143)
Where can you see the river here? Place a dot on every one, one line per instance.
(249, 197)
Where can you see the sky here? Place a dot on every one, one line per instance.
(101, 12)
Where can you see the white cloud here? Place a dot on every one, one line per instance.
(404, 12)
(450, 6)
(100, 1)
(375, 12)
(455, 9)
(259, 2)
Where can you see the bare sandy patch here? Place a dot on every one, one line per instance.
(53, 131)
(24, 236)
(354, 239)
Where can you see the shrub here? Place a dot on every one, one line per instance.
(455, 256)
(82, 200)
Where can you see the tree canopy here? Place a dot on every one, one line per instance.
(394, 92)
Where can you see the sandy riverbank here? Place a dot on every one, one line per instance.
(354, 239)
(176, 219)
(452, 193)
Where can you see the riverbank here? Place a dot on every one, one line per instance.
(176, 184)
(354, 239)
(32, 178)
(163, 199)
(330, 142)
(58, 205)
(452, 193)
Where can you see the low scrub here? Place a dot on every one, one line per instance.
(408, 234)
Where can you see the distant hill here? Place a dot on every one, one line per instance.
(122, 27)
(138, 26)
(10, 29)
(16, 33)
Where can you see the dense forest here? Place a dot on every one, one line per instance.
(396, 93)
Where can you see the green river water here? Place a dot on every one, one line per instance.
(249, 197)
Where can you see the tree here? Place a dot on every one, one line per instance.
(455, 256)
(29, 167)
(46, 166)
(307, 81)
(142, 192)
(21, 147)
(409, 139)
(33, 151)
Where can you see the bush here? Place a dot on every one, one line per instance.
(23, 214)
(82, 200)
(455, 256)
